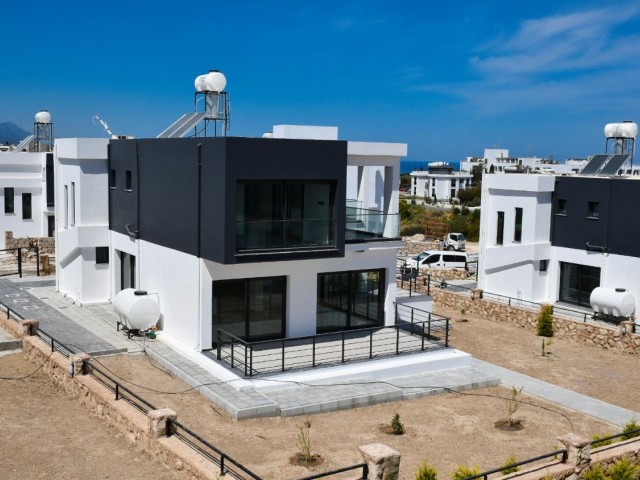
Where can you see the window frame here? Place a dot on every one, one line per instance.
(500, 228)
(27, 206)
(517, 225)
(102, 255)
(593, 210)
(561, 206)
(9, 207)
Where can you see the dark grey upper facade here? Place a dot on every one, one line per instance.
(231, 199)
(597, 213)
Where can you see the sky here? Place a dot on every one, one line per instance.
(448, 78)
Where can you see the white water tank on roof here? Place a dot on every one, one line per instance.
(137, 309)
(621, 130)
(618, 302)
(43, 117)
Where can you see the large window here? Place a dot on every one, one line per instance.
(500, 229)
(517, 232)
(26, 206)
(284, 215)
(9, 206)
(577, 282)
(250, 308)
(348, 300)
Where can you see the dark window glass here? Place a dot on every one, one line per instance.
(432, 259)
(561, 207)
(577, 282)
(287, 214)
(348, 300)
(593, 210)
(252, 309)
(26, 206)
(102, 255)
(500, 229)
(517, 232)
(128, 183)
(9, 206)
(544, 264)
(112, 178)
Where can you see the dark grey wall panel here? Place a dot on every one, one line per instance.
(217, 217)
(123, 205)
(624, 225)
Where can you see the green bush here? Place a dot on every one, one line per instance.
(623, 469)
(409, 230)
(597, 444)
(596, 473)
(511, 459)
(462, 472)
(426, 472)
(630, 426)
(396, 424)
(545, 321)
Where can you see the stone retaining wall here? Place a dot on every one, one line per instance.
(46, 245)
(584, 332)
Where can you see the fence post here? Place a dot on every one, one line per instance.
(342, 347)
(37, 261)
(251, 360)
(578, 450)
(371, 343)
(313, 353)
(446, 334)
(29, 327)
(396, 308)
(429, 284)
(283, 355)
(160, 422)
(219, 345)
(245, 360)
(233, 348)
(20, 262)
(397, 340)
(382, 461)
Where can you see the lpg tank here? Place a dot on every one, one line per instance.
(618, 302)
(137, 309)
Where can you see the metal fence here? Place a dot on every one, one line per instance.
(412, 332)
(12, 261)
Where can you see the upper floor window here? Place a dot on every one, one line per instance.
(593, 209)
(112, 178)
(73, 203)
(517, 232)
(286, 214)
(561, 207)
(26, 206)
(500, 229)
(128, 182)
(9, 206)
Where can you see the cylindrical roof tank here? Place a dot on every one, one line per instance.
(618, 302)
(621, 130)
(139, 309)
(43, 117)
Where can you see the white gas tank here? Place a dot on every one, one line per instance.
(618, 302)
(137, 309)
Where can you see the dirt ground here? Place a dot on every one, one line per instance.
(448, 429)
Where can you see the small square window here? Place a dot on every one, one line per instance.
(128, 183)
(102, 255)
(9, 194)
(561, 207)
(593, 210)
(544, 264)
(112, 178)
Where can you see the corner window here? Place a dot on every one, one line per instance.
(517, 232)
(593, 210)
(128, 182)
(26, 206)
(561, 207)
(102, 255)
(112, 178)
(500, 229)
(9, 206)
(544, 265)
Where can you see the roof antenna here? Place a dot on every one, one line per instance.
(105, 125)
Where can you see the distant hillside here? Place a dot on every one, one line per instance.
(11, 133)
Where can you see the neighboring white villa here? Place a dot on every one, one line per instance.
(440, 181)
(27, 184)
(497, 160)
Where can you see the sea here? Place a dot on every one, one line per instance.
(408, 166)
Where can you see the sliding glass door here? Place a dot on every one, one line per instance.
(577, 282)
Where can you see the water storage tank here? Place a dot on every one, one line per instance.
(621, 130)
(618, 302)
(137, 309)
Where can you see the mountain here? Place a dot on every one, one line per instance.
(11, 133)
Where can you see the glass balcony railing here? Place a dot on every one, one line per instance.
(364, 225)
(284, 234)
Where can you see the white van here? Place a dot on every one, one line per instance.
(438, 259)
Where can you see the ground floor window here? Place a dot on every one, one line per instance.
(127, 271)
(577, 282)
(252, 309)
(349, 300)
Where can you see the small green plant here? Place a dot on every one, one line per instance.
(544, 326)
(462, 311)
(602, 443)
(595, 473)
(623, 469)
(426, 472)
(546, 342)
(630, 426)
(508, 464)
(512, 405)
(462, 472)
(396, 425)
(304, 441)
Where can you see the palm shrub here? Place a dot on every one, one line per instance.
(426, 472)
(630, 426)
(623, 469)
(596, 473)
(545, 321)
(461, 472)
(602, 443)
(508, 464)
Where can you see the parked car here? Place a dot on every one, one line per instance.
(437, 259)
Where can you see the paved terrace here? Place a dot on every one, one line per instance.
(304, 392)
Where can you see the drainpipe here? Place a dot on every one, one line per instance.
(137, 238)
(199, 246)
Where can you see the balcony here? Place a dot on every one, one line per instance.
(282, 235)
(367, 225)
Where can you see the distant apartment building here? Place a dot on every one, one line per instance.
(440, 182)
(498, 160)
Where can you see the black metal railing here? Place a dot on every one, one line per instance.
(19, 261)
(363, 466)
(605, 443)
(54, 343)
(297, 353)
(11, 314)
(559, 455)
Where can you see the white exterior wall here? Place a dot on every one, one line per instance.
(82, 162)
(422, 184)
(512, 268)
(25, 173)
